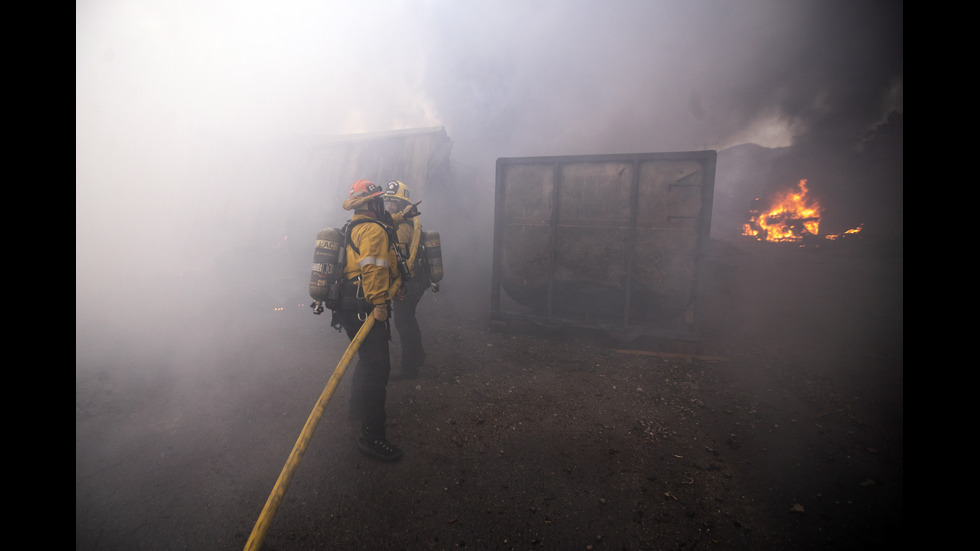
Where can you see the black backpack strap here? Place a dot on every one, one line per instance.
(351, 224)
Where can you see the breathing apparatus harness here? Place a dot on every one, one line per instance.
(345, 293)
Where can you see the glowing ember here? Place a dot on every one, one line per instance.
(848, 232)
(791, 217)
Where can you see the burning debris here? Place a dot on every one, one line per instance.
(791, 217)
(852, 231)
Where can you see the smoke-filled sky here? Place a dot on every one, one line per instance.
(162, 83)
(500, 75)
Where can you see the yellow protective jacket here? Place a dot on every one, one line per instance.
(375, 262)
(407, 247)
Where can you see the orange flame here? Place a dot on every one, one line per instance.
(848, 232)
(791, 216)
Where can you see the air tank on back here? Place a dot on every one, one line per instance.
(433, 254)
(326, 262)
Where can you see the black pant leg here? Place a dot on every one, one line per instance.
(369, 385)
(407, 325)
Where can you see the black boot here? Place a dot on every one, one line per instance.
(376, 445)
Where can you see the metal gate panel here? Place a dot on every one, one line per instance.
(607, 241)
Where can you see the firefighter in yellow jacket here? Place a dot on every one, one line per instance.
(370, 280)
(406, 217)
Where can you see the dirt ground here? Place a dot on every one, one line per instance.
(782, 429)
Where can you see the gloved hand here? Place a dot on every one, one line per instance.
(410, 211)
(380, 312)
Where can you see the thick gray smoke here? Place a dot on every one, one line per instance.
(196, 191)
(585, 77)
(184, 111)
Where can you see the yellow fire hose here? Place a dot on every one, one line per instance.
(275, 498)
(255, 540)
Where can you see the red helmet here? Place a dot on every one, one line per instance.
(365, 189)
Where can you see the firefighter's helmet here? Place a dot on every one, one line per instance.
(397, 190)
(364, 189)
(362, 192)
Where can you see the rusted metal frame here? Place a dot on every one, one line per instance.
(496, 276)
(548, 320)
(631, 240)
(703, 236)
(553, 249)
(611, 327)
(704, 229)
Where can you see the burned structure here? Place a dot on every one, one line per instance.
(613, 242)
(327, 165)
(320, 170)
